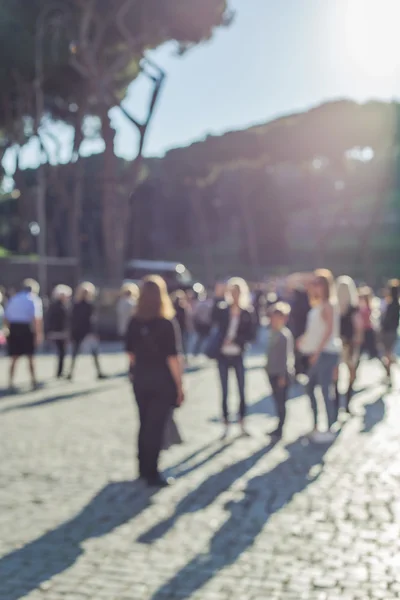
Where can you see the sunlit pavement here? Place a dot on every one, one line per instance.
(244, 520)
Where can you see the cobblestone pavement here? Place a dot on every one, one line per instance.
(244, 521)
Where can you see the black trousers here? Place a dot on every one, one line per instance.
(370, 344)
(225, 363)
(154, 410)
(76, 346)
(61, 347)
(280, 395)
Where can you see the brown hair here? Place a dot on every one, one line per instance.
(325, 279)
(154, 301)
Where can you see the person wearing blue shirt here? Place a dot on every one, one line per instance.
(24, 317)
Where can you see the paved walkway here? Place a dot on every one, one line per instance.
(244, 521)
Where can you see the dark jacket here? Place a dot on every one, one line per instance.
(247, 326)
(299, 313)
(82, 320)
(57, 317)
(391, 317)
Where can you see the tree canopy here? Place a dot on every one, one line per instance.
(69, 59)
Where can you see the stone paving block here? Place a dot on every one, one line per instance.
(245, 521)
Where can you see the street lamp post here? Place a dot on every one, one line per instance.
(50, 10)
(41, 177)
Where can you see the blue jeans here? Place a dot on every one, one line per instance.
(322, 374)
(225, 363)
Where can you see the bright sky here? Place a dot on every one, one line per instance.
(279, 56)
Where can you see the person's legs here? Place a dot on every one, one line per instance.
(96, 360)
(13, 364)
(143, 407)
(197, 343)
(240, 376)
(32, 370)
(310, 390)
(60, 345)
(280, 399)
(76, 344)
(223, 368)
(353, 366)
(152, 434)
(370, 344)
(327, 364)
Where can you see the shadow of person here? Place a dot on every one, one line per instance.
(203, 495)
(263, 496)
(374, 414)
(57, 550)
(185, 467)
(53, 399)
(266, 405)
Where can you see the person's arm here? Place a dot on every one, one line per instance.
(38, 321)
(327, 316)
(281, 358)
(358, 329)
(130, 346)
(290, 358)
(174, 359)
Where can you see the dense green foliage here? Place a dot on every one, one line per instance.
(320, 187)
(252, 202)
(69, 60)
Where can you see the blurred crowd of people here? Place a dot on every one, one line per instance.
(316, 325)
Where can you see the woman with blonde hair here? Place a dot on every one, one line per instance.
(321, 343)
(235, 324)
(126, 304)
(351, 332)
(154, 347)
(82, 325)
(57, 322)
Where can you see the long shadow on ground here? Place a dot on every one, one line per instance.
(269, 493)
(25, 569)
(204, 494)
(374, 414)
(57, 398)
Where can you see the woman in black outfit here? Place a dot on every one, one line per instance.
(154, 347)
(236, 322)
(58, 322)
(83, 325)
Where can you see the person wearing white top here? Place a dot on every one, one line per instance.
(24, 317)
(125, 307)
(321, 342)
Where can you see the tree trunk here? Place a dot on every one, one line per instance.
(113, 215)
(76, 213)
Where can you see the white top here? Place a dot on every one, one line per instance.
(125, 310)
(231, 349)
(316, 329)
(24, 307)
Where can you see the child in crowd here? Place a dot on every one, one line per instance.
(281, 360)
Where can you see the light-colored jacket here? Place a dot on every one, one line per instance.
(125, 309)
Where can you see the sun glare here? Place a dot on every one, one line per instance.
(373, 39)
